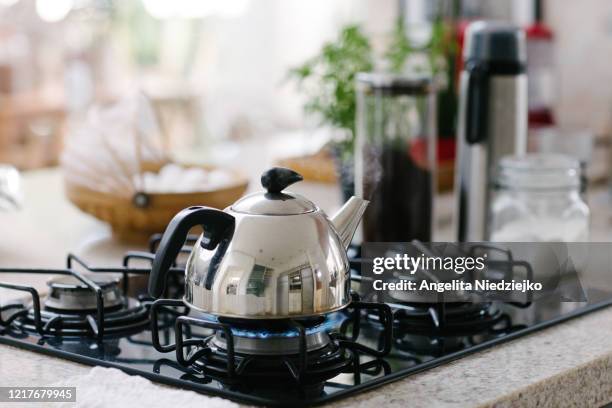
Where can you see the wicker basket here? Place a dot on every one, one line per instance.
(136, 218)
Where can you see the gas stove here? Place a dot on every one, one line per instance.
(97, 316)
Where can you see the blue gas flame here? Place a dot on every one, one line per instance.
(332, 321)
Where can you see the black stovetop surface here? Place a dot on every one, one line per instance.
(410, 353)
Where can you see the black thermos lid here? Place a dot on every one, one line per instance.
(496, 43)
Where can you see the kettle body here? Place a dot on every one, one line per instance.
(271, 255)
(266, 276)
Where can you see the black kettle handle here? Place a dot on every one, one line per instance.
(218, 231)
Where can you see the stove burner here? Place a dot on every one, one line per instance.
(68, 294)
(435, 329)
(277, 337)
(446, 319)
(133, 316)
(272, 345)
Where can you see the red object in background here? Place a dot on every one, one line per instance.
(539, 30)
(417, 150)
(461, 27)
(542, 117)
(540, 67)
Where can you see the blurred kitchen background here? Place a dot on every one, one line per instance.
(245, 84)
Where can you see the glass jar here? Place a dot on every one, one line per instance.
(395, 156)
(538, 199)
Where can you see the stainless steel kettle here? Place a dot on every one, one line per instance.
(271, 255)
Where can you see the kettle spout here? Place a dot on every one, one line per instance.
(347, 219)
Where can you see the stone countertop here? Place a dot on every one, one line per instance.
(566, 365)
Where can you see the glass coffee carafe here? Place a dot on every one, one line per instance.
(395, 156)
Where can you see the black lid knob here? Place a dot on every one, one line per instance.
(277, 179)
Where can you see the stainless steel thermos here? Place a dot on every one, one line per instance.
(492, 119)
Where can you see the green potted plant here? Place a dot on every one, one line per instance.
(328, 81)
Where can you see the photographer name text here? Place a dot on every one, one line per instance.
(458, 285)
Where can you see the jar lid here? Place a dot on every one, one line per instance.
(275, 201)
(395, 84)
(539, 171)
